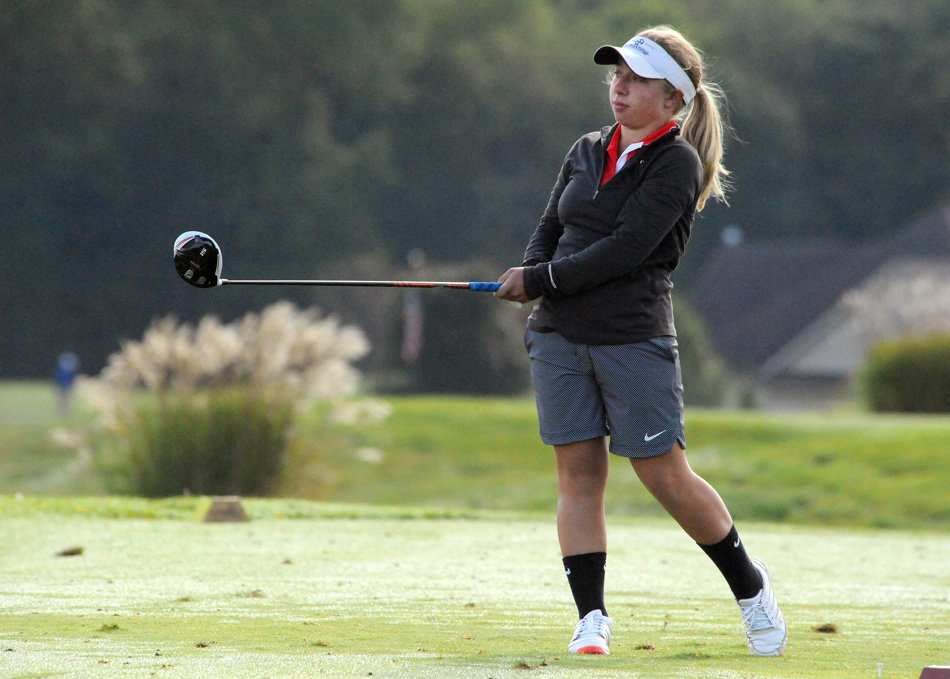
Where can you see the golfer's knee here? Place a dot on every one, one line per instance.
(582, 467)
(582, 481)
(665, 482)
(582, 484)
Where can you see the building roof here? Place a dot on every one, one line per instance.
(757, 298)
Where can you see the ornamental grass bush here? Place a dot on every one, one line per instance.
(209, 409)
(910, 375)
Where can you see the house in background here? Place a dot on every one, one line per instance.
(797, 318)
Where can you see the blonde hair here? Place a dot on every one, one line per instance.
(704, 125)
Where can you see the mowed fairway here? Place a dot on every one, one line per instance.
(381, 593)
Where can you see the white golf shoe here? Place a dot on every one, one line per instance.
(592, 634)
(765, 629)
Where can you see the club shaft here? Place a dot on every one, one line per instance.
(477, 286)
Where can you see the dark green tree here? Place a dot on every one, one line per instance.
(309, 135)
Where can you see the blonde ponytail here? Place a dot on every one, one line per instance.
(703, 125)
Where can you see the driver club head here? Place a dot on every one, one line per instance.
(198, 259)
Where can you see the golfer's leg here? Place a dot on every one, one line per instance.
(697, 507)
(582, 470)
(582, 478)
(689, 499)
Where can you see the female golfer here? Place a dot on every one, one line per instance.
(601, 341)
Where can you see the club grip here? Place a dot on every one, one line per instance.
(484, 287)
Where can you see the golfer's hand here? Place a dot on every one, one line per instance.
(512, 286)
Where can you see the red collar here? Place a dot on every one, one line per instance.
(613, 148)
(653, 136)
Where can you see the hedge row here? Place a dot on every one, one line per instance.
(910, 375)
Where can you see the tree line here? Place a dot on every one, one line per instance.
(314, 138)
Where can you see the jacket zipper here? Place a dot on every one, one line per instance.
(604, 141)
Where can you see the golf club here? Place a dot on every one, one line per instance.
(198, 260)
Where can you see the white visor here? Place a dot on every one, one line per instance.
(648, 59)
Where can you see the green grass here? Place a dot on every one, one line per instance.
(854, 470)
(361, 591)
(432, 553)
(30, 461)
(845, 470)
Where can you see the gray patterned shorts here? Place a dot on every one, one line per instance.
(631, 392)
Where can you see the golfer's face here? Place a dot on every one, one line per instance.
(638, 102)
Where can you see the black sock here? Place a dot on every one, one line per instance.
(730, 557)
(585, 574)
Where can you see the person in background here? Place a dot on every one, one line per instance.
(67, 365)
(601, 341)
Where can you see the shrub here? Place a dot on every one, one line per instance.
(910, 375)
(209, 409)
(472, 344)
(468, 343)
(706, 378)
(224, 441)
